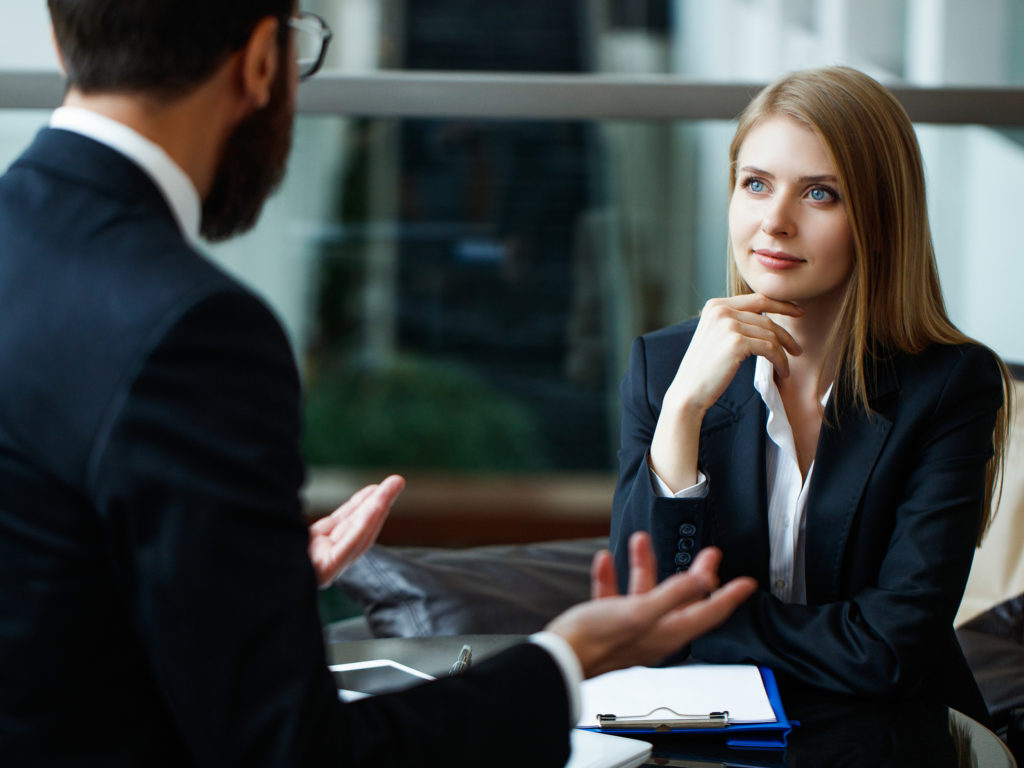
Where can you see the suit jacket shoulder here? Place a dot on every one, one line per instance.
(95, 264)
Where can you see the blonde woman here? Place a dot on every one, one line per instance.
(826, 425)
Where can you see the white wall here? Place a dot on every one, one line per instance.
(25, 41)
(25, 44)
(974, 198)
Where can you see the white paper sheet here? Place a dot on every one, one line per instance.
(692, 689)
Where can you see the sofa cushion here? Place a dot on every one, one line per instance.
(993, 644)
(998, 666)
(1005, 620)
(506, 589)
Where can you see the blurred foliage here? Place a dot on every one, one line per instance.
(417, 414)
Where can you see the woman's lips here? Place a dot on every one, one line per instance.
(777, 259)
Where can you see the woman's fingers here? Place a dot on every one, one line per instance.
(741, 327)
(760, 304)
(758, 328)
(753, 309)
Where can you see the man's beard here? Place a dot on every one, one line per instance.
(251, 166)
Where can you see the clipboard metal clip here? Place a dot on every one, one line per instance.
(676, 722)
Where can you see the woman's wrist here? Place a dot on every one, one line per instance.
(684, 411)
(673, 453)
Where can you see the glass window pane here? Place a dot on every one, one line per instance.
(462, 294)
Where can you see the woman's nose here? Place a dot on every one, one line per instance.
(778, 220)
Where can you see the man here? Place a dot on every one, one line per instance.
(157, 600)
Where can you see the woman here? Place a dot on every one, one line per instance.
(826, 425)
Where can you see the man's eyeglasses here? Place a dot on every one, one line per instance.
(311, 38)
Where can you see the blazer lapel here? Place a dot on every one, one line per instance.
(848, 449)
(732, 452)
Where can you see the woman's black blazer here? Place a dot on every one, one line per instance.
(891, 520)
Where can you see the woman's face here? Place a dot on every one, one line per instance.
(790, 235)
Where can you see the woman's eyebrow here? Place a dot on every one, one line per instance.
(804, 179)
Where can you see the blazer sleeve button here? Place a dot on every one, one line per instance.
(686, 544)
(683, 559)
(687, 529)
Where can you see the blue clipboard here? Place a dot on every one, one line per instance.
(770, 735)
(762, 735)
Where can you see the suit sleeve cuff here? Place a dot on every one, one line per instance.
(696, 491)
(567, 662)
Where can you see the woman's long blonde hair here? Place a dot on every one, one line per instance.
(893, 302)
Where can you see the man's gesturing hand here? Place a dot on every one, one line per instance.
(614, 631)
(338, 540)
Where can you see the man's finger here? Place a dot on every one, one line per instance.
(675, 592)
(602, 576)
(324, 524)
(702, 615)
(347, 543)
(375, 506)
(362, 526)
(372, 501)
(707, 561)
(642, 570)
(391, 486)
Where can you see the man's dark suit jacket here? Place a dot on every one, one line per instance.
(891, 520)
(157, 606)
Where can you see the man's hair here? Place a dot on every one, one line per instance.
(160, 46)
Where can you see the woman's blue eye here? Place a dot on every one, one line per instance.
(755, 185)
(822, 195)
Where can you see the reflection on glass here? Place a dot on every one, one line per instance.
(449, 332)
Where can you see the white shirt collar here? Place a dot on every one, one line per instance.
(175, 185)
(764, 383)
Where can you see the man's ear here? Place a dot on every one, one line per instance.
(261, 58)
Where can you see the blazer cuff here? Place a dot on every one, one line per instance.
(696, 491)
(567, 662)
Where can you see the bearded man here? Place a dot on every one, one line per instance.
(157, 583)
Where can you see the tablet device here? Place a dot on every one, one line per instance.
(366, 678)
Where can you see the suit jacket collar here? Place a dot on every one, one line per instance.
(849, 445)
(71, 155)
(734, 432)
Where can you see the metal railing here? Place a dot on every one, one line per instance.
(556, 97)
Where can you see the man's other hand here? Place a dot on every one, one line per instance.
(614, 631)
(338, 540)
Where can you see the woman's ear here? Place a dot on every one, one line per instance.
(261, 58)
